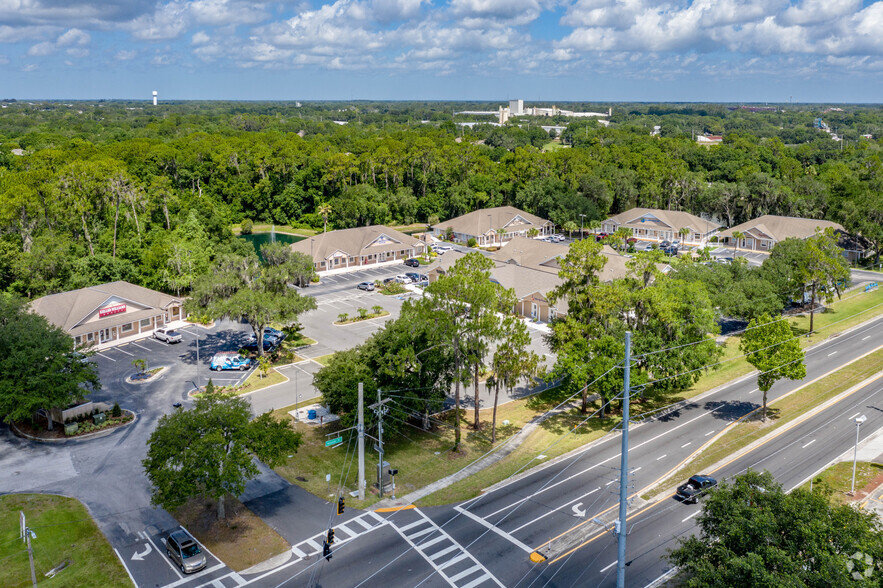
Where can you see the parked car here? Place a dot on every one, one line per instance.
(388, 280)
(413, 276)
(402, 279)
(269, 344)
(650, 247)
(670, 251)
(184, 551)
(366, 286)
(413, 262)
(599, 236)
(631, 240)
(230, 360)
(675, 243)
(665, 244)
(695, 487)
(167, 335)
(276, 334)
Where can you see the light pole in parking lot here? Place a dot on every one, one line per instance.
(858, 425)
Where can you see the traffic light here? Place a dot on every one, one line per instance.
(326, 551)
(330, 539)
(340, 504)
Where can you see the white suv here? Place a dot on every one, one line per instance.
(167, 335)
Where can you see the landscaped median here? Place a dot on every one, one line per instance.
(65, 532)
(783, 410)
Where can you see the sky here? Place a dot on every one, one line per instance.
(539, 50)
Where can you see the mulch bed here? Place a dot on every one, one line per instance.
(57, 431)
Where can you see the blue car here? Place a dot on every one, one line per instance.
(229, 360)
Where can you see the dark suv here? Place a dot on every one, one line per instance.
(413, 262)
(695, 487)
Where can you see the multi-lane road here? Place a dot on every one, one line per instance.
(489, 540)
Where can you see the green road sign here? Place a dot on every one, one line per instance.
(334, 441)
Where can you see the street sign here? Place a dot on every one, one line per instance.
(334, 441)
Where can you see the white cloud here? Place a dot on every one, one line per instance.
(78, 52)
(396, 10)
(200, 38)
(125, 55)
(74, 37)
(42, 49)
(168, 22)
(224, 12)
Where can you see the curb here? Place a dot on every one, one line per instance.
(87, 437)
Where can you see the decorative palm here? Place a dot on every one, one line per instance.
(324, 210)
(736, 236)
(683, 232)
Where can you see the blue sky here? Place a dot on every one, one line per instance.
(539, 50)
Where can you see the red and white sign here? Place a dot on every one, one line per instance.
(112, 309)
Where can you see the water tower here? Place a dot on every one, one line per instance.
(154, 97)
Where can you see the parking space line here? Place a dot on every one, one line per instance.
(122, 561)
(165, 558)
(142, 347)
(105, 357)
(121, 351)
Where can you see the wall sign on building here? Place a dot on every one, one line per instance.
(112, 309)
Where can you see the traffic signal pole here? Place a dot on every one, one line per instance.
(624, 467)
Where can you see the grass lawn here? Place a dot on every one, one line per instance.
(838, 478)
(421, 457)
(552, 146)
(323, 359)
(779, 413)
(240, 541)
(65, 531)
(266, 228)
(357, 318)
(255, 381)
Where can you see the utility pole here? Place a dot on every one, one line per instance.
(624, 465)
(25, 533)
(361, 430)
(380, 410)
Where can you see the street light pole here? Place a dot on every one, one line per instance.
(858, 425)
(582, 217)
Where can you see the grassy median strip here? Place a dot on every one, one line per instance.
(241, 540)
(781, 412)
(65, 532)
(838, 478)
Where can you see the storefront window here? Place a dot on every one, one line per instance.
(89, 337)
(126, 328)
(145, 323)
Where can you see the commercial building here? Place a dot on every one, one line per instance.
(358, 247)
(493, 226)
(107, 314)
(762, 233)
(653, 224)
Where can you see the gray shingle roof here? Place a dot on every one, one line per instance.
(671, 219)
(782, 227)
(68, 309)
(478, 223)
(356, 242)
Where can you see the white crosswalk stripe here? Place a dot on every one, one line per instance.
(367, 522)
(443, 552)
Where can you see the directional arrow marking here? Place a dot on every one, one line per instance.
(140, 556)
(577, 511)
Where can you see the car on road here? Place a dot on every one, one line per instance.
(167, 335)
(695, 487)
(230, 360)
(413, 262)
(366, 286)
(184, 551)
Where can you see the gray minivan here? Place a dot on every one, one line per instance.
(184, 551)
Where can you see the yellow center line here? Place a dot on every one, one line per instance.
(707, 444)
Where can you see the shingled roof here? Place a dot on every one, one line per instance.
(502, 217)
(779, 228)
(356, 242)
(667, 219)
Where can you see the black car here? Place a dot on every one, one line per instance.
(695, 487)
(415, 277)
(252, 345)
(413, 262)
(670, 251)
(665, 244)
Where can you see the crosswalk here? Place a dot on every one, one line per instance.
(449, 559)
(343, 532)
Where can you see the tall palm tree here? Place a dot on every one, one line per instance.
(324, 210)
(736, 236)
(500, 232)
(683, 232)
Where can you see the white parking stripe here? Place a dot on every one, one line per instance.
(121, 351)
(142, 347)
(105, 357)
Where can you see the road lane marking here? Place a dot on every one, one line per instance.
(832, 353)
(554, 510)
(610, 482)
(691, 516)
(868, 337)
(604, 569)
(753, 391)
(808, 444)
(855, 415)
(495, 529)
(709, 433)
(685, 444)
(165, 559)
(134, 583)
(663, 456)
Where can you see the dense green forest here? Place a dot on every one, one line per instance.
(97, 191)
